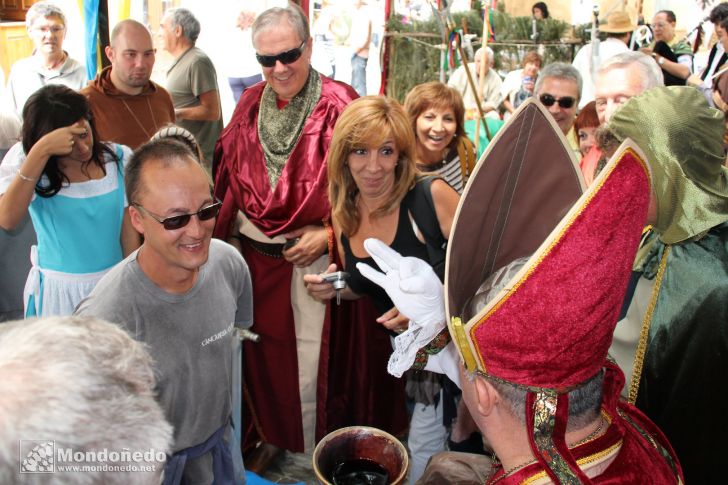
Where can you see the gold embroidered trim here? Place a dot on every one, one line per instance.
(461, 341)
(544, 422)
(639, 358)
(594, 189)
(658, 446)
(587, 460)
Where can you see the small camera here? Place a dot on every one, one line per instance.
(337, 278)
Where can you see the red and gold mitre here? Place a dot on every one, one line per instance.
(549, 329)
(523, 186)
(524, 199)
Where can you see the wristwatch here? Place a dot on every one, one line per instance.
(661, 61)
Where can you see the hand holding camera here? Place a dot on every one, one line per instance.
(338, 281)
(325, 286)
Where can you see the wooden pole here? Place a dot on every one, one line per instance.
(471, 83)
(481, 81)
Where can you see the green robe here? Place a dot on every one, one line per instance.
(684, 383)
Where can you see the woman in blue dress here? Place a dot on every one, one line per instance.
(72, 185)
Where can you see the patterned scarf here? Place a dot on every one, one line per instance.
(280, 129)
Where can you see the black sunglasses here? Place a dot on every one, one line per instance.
(177, 222)
(566, 102)
(287, 57)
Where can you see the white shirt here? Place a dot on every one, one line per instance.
(28, 75)
(490, 97)
(719, 51)
(9, 124)
(511, 82)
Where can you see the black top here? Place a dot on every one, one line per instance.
(405, 242)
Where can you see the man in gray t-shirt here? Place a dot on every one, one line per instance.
(182, 294)
(192, 80)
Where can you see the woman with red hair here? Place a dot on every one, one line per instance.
(585, 126)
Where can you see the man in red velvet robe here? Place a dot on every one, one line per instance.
(271, 177)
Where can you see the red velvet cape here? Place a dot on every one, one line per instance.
(242, 177)
(354, 350)
(645, 456)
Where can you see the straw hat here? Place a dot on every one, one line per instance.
(618, 23)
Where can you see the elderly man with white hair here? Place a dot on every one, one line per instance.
(489, 95)
(622, 77)
(618, 79)
(75, 387)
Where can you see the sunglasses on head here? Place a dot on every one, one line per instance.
(287, 57)
(180, 221)
(566, 102)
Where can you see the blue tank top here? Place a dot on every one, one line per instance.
(80, 235)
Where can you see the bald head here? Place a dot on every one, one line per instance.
(132, 56)
(165, 151)
(129, 27)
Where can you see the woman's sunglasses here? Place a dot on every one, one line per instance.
(287, 57)
(180, 221)
(566, 102)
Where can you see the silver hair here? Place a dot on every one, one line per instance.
(492, 285)
(187, 21)
(585, 401)
(84, 384)
(45, 10)
(488, 51)
(273, 17)
(559, 70)
(650, 70)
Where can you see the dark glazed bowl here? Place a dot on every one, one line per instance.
(360, 442)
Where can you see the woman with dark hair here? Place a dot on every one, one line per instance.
(376, 190)
(72, 185)
(540, 11)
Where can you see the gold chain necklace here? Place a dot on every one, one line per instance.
(514, 469)
(592, 435)
(151, 112)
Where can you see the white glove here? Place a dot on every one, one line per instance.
(446, 362)
(417, 293)
(411, 283)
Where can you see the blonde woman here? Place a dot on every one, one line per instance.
(376, 191)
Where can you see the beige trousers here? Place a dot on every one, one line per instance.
(308, 316)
